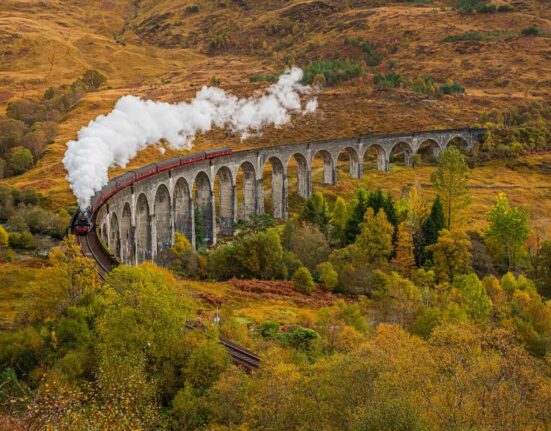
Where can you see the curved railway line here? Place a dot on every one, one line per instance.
(92, 248)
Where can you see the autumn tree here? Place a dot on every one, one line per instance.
(4, 242)
(69, 278)
(474, 297)
(379, 200)
(416, 214)
(309, 245)
(451, 254)
(205, 364)
(450, 181)
(337, 222)
(405, 258)
(375, 238)
(255, 255)
(509, 229)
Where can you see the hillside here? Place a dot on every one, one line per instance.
(166, 50)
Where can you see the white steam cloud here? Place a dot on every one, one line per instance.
(114, 139)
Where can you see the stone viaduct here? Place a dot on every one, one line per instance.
(138, 222)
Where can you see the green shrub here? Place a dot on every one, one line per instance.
(334, 71)
(19, 161)
(93, 79)
(193, 9)
(268, 329)
(301, 338)
(531, 31)
(302, 281)
(390, 80)
(327, 275)
(21, 240)
(261, 77)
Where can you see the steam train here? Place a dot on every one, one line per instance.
(83, 220)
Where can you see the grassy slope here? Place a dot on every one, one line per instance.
(14, 279)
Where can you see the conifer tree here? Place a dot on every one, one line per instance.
(430, 230)
(356, 215)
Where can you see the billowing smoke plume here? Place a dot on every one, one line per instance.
(114, 139)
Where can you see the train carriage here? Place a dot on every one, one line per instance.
(146, 171)
(168, 164)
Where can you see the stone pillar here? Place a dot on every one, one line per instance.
(152, 252)
(407, 158)
(132, 258)
(284, 198)
(259, 196)
(329, 170)
(192, 224)
(212, 215)
(304, 180)
(360, 171)
(234, 205)
(383, 162)
(249, 191)
(356, 168)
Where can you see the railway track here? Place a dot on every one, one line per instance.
(240, 356)
(92, 248)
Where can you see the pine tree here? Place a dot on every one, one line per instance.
(356, 216)
(391, 215)
(405, 259)
(430, 230)
(376, 201)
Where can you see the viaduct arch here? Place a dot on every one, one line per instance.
(140, 221)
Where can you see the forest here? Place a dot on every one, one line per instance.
(429, 325)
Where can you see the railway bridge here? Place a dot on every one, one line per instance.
(139, 221)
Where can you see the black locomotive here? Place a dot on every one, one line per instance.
(83, 222)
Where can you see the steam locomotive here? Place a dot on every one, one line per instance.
(83, 222)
